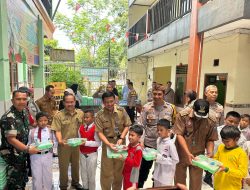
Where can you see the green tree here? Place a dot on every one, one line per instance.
(87, 28)
(48, 45)
(63, 73)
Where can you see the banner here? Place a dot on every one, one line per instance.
(22, 33)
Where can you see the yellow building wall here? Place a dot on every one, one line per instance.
(162, 74)
(226, 50)
(242, 75)
(137, 73)
(233, 52)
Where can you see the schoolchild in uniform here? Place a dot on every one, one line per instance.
(244, 126)
(234, 160)
(167, 158)
(88, 156)
(41, 163)
(133, 161)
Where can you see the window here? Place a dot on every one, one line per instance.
(13, 77)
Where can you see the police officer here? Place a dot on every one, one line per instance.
(211, 93)
(150, 92)
(112, 124)
(152, 112)
(196, 132)
(131, 102)
(15, 131)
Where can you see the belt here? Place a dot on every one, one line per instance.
(43, 152)
(115, 137)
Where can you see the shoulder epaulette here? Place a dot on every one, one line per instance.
(185, 111)
(212, 117)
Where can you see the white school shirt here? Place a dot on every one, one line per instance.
(95, 143)
(45, 135)
(166, 161)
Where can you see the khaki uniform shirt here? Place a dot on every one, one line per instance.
(112, 124)
(196, 132)
(67, 123)
(150, 116)
(169, 95)
(48, 105)
(218, 110)
(150, 95)
(132, 96)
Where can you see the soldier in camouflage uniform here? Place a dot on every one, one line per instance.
(13, 149)
(152, 112)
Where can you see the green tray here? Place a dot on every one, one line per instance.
(206, 163)
(44, 145)
(76, 141)
(149, 154)
(112, 154)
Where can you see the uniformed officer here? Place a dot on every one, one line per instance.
(150, 92)
(131, 102)
(196, 132)
(112, 124)
(47, 103)
(152, 112)
(66, 124)
(13, 149)
(211, 93)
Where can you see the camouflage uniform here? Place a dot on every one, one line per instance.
(14, 123)
(218, 111)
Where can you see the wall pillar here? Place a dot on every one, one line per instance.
(39, 78)
(195, 50)
(4, 59)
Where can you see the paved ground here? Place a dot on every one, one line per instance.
(56, 177)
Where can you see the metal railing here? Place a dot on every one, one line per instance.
(159, 16)
(138, 29)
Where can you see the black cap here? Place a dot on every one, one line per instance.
(201, 108)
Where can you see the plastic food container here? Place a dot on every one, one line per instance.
(149, 154)
(75, 141)
(45, 145)
(207, 164)
(112, 154)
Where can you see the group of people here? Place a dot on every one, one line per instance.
(200, 128)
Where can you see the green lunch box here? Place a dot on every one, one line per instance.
(76, 141)
(112, 154)
(206, 163)
(149, 154)
(44, 145)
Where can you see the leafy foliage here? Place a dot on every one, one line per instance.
(69, 75)
(87, 28)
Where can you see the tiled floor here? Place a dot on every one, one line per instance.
(56, 177)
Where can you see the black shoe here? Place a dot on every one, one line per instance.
(78, 186)
(208, 180)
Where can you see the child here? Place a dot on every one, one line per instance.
(246, 182)
(232, 119)
(167, 158)
(88, 156)
(244, 126)
(133, 161)
(234, 160)
(41, 163)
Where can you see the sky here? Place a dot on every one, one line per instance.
(63, 40)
